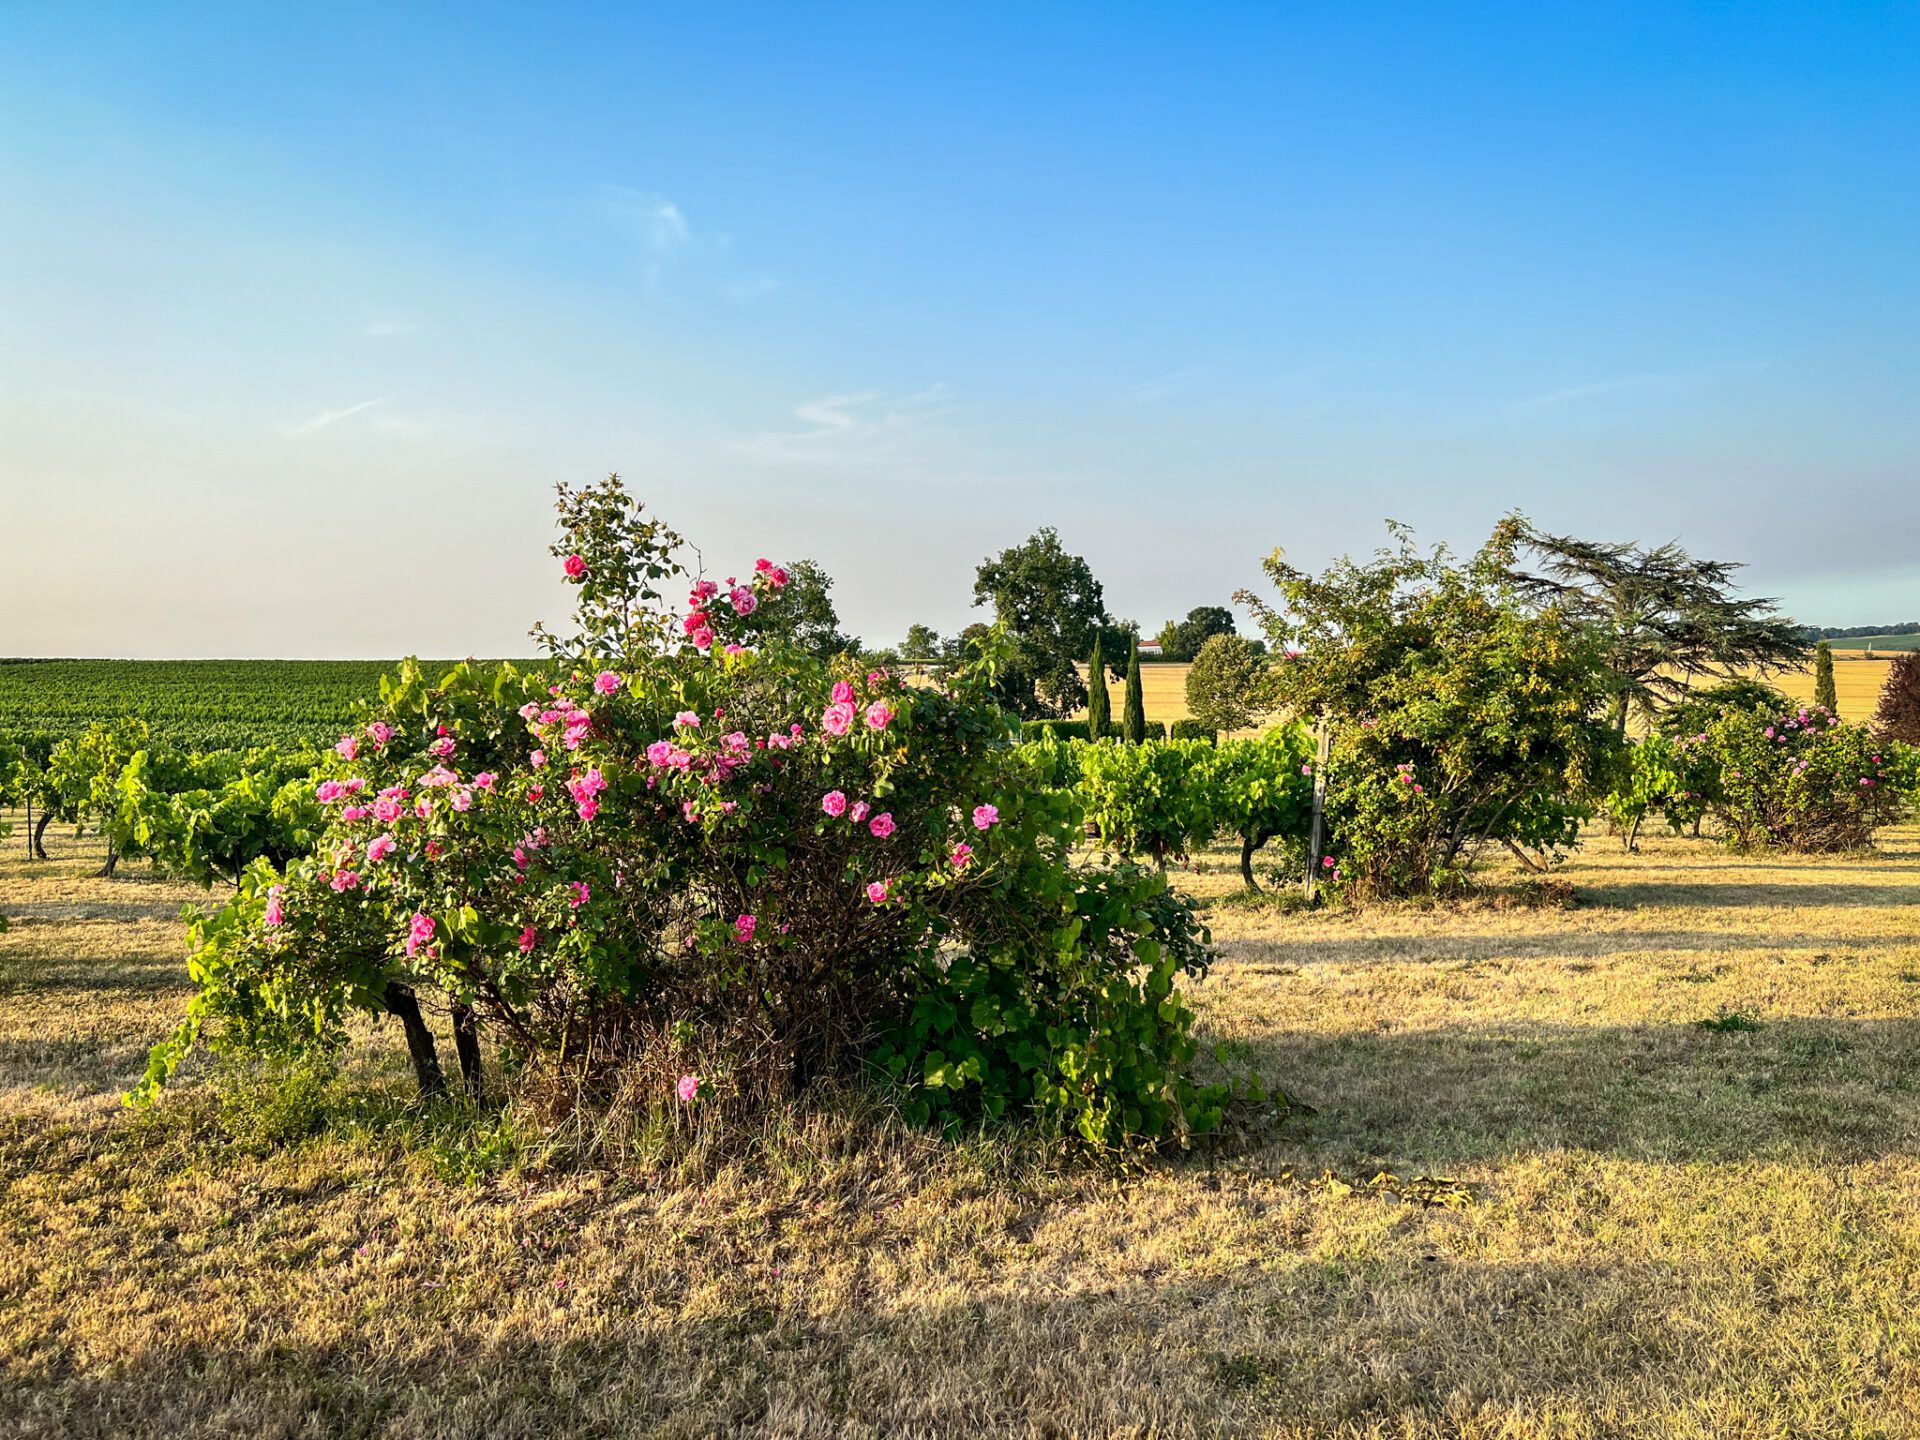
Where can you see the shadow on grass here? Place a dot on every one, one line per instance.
(1838, 1090)
(1742, 894)
(1326, 1340)
(1261, 954)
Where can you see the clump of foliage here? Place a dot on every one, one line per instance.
(1152, 798)
(1804, 780)
(716, 872)
(1262, 790)
(1182, 639)
(1461, 715)
(1675, 778)
(1230, 684)
(1898, 714)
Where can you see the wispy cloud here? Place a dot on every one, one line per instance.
(863, 427)
(1163, 386)
(657, 228)
(750, 288)
(332, 417)
(1660, 383)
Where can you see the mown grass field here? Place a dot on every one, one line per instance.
(1679, 1123)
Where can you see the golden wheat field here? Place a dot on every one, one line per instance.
(1857, 682)
(1643, 1166)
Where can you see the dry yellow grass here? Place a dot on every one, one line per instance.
(1857, 683)
(1672, 1231)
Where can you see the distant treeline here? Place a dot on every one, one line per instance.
(1854, 632)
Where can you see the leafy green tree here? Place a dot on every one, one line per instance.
(1664, 617)
(1460, 714)
(805, 616)
(1824, 693)
(1230, 683)
(1898, 714)
(1099, 709)
(1053, 607)
(1134, 721)
(922, 643)
(1182, 639)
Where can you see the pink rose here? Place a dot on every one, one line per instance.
(529, 937)
(688, 1086)
(606, 682)
(838, 719)
(348, 747)
(379, 848)
(842, 693)
(879, 714)
(985, 817)
(743, 928)
(574, 566)
(743, 600)
(962, 856)
(877, 892)
(419, 932)
(881, 826)
(834, 802)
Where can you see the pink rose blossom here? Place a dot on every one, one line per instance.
(877, 892)
(574, 566)
(743, 928)
(588, 808)
(985, 817)
(276, 916)
(879, 714)
(442, 747)
(859, 811)
(962, 856)
(463, 800)
(581, 894)
(485, 780)
(529, 937)
(838, 719)
(688, 1086)
(605, 683)
(687, 720)
(419, 932)
(743, 600)
(881, 826)
(344, 880)
(842, 693)
(380, 733)
(348, 747)
(386, 810)
(379, 848)
(834, 802)
(702, 638)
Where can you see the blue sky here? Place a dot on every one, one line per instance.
(300, 316)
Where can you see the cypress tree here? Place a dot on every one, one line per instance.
(1099, 709)
(1135, 723)
(1823, 691)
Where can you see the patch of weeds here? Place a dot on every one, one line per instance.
(269, 1104)
(1695, 976)
(1245, 1371)
(469, 1145)
(1911, 977)
(1729, 1022)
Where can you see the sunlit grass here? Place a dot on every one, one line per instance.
(1669, 1228)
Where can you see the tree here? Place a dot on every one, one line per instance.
(1135, 721)
(1230, 683)
(1664, 618)
(1182, 639)
(1460, 714)
(1823, 689)
(1898, 717)
(1052, 606)
(922, 643)
(805, 616)
(1099, 709)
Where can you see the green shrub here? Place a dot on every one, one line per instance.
(1262, 790)
(1195, 730)
(1806, 781)
(1149, 799)
(1056, 729)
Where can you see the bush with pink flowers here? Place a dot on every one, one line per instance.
(690, 852)
(1805, 780)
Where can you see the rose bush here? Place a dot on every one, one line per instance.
(1805, 780)
(726, 868)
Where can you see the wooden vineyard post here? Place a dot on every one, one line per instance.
(1317, 841)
